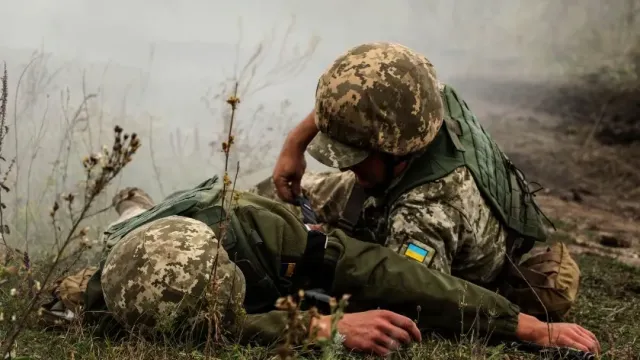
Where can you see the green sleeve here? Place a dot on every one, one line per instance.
(377, 276)
(269, 328)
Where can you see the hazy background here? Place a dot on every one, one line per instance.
(152, 65)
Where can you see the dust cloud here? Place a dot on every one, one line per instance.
(163, 68)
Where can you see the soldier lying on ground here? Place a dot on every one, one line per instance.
(419, 172)
(159, 265)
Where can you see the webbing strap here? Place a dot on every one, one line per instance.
(308, 215)
(351, 212)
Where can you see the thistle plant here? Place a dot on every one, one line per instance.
(100, 169)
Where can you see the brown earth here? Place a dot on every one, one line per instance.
(586, 160)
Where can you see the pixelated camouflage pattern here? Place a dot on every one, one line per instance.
(377, 96)
(450, 215)
(157, 275)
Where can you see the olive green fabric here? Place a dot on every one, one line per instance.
(545, 284)
(462, 141)
(375, 276)
(378, 276)
(203, 203)
(185, 203)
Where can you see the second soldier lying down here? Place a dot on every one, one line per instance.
(160, 262)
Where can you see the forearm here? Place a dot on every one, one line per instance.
(300, 137)
(378, 276)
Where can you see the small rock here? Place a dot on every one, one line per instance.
(614, 240)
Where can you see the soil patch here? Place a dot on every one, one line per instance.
(581, 145)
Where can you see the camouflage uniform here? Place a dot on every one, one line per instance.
(153, 276)
(460, 206)
(448, 215)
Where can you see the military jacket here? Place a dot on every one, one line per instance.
(276, 243)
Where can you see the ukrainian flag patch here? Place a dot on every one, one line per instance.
(416, 253)
(419, 252)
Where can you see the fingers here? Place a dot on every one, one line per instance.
(283, 189)
(592, 336)
(375, 345)
(295, 187)
(579, 346)
(404, 323)
(394, 330)
(388, 343)
(395, 333)
(587, 339)
(287, 188)
(578, 338)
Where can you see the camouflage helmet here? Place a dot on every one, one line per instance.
(376, 97)
(158, 276)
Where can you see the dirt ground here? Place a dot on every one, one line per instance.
(591, 182)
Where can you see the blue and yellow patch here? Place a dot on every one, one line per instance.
(419, 252)
(416, 253)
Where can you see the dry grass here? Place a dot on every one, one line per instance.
(100, 169)
(609, 304)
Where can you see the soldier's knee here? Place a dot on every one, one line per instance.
(546, 284)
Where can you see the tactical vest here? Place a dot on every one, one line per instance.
(461, 141)
(244, 245)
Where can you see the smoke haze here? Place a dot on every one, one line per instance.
(152, 64)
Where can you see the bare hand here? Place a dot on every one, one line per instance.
(556, 334)
(288, 172)
(375, 331)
